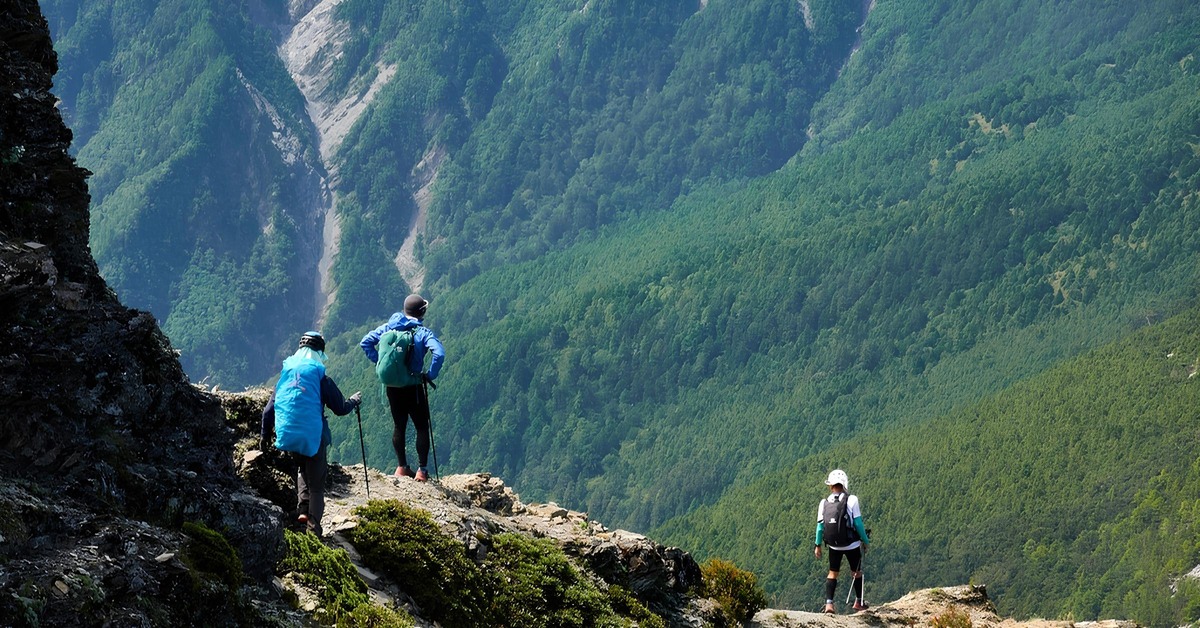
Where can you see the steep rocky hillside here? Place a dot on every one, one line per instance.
(107, 448)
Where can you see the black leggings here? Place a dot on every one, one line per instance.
(853, 556)
(409, 401)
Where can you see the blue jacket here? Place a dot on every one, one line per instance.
(423, 340)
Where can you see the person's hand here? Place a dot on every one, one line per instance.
(864, 549)
(817, 551)
(356, 399)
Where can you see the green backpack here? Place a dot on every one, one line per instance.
(395, 348)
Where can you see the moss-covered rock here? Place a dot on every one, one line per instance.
(517, 581)
(340, 591)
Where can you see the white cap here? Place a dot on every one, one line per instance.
(837, 476)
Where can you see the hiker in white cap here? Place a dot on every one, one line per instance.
(840, 526)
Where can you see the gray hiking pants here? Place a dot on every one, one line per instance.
(310, 487)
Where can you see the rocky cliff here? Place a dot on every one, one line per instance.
(107, 448)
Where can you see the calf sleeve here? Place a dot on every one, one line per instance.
(830, 587)
(857, 585)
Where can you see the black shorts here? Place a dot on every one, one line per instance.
(853, 556)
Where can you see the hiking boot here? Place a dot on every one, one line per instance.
(302, 519)
(860, 605)
(422, 475)
(403, 471)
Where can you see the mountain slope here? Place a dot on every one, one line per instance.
(642, 310)
(114, 470)
(1067, 493)
(722, 339)
(206, 184)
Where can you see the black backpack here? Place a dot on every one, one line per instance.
(838, 526)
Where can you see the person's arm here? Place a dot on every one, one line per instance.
(855, 507)
(439, 354)
(862, 532)
(268, 423)
(332, 398)
(370, 343)
(820, 535)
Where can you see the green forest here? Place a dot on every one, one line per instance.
(1082, 479)
(685, 256)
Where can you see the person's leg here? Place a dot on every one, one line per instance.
(420, 419)
(854, 558)
(296, 467)
(399, 408)
(315, 469)
(835, 565)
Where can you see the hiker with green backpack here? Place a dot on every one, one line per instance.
(398, 349)
(840, 526)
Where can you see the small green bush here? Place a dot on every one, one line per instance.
(208, 551)
(953, 617)
(521, 582)
(626, 604)
(735, 590)
(326, 570)
(372, 616)
(342, 593)
(535, 585)
(408, 546)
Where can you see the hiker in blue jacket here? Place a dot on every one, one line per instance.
(840, 525)
(296, 414)
(410, 401)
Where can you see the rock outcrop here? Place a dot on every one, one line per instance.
(107, 449)
(965, 605)
(473, 508)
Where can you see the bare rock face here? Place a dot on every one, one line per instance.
(107, 449)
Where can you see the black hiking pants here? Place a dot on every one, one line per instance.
(409, 402)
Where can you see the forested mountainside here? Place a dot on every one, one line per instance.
(206, 188)
(1071, 494)
(672, 247)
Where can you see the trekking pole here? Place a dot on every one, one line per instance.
(425, 383)
(362, 442)
(862, 577)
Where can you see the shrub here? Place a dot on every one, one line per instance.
(953, 617)
(330, 573)
(372, 616)
(535, 585)
(406, 545)
(735, 590)
(520, 582)
(208, 551)
(626, 604)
